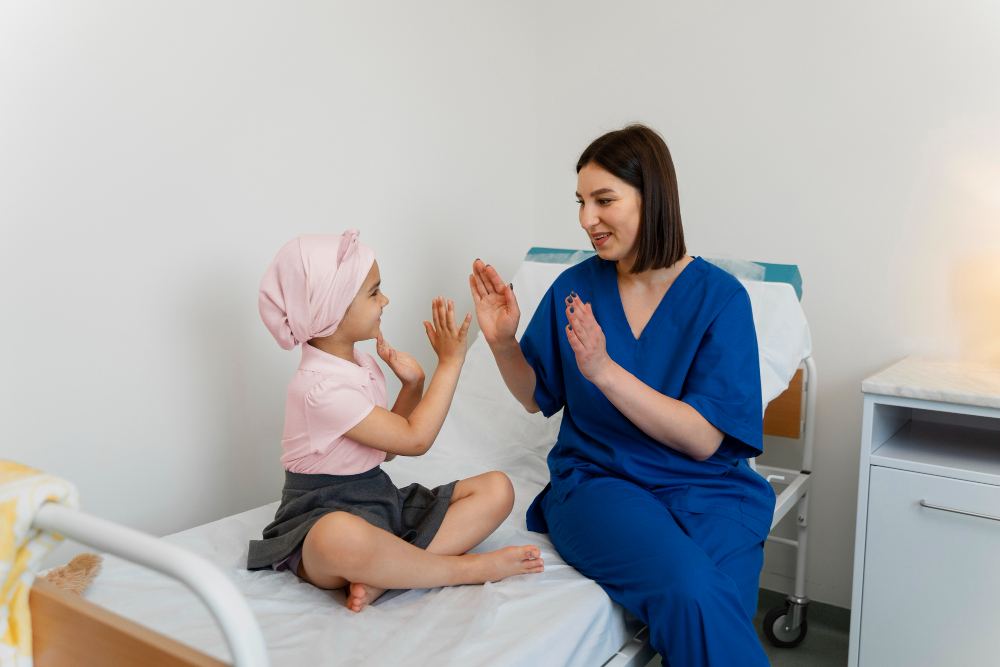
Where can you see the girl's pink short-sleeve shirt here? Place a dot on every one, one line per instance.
(328, 397)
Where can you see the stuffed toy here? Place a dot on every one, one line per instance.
(76, 575)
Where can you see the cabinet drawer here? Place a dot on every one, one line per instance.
(931, 576)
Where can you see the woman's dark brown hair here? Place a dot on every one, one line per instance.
(640, 157)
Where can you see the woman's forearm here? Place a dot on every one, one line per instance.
(516, 372)
(669, 421)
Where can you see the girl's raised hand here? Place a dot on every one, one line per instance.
(446, 337)
(586, 338)
(496, 307)
(402, 364)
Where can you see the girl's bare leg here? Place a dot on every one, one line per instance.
(341, 547)
(478, 505)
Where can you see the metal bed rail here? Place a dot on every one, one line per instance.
(636, 652)
(786, 626)
(209, 583)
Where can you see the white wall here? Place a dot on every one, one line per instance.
(858, 140)
(154, 157)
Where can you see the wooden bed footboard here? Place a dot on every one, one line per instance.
(70, 631)
(783, 416)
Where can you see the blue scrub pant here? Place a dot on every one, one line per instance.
(692, 578)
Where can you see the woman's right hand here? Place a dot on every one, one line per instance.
(496, 306)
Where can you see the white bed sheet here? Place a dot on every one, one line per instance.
(554, 618)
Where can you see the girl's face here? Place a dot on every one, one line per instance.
(610, 213)
(363, 318)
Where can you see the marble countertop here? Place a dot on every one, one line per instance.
(968, 383)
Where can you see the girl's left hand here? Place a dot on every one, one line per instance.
(586, 338)
(402, 364)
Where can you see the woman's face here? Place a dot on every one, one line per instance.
(610, 213)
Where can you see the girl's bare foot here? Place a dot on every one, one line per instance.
(360, 596)
(507, 562)
(490, 566)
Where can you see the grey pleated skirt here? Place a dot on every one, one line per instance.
(413, 513)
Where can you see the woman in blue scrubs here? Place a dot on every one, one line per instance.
(652, 357)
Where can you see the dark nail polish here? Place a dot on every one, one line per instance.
(571, 309)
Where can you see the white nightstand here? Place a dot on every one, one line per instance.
(927, 552)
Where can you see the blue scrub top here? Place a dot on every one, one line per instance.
(700, 347)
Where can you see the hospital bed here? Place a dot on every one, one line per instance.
(197, 605)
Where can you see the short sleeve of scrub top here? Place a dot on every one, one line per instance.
(723, 382)
(540, 346)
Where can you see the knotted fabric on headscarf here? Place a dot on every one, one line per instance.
(310, 284)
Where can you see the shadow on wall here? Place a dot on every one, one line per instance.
(237, 380)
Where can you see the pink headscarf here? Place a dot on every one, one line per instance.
(310, 284)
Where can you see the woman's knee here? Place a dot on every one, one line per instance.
(698, 590)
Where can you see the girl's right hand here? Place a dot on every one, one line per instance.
(406, 368)
(496, 306)
(447, 338)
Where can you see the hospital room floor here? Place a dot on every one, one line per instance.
(825, 644)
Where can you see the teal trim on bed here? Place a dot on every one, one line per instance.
(773, 273)
(557, 255)
(783, 273)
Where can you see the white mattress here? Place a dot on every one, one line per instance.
(554, 618)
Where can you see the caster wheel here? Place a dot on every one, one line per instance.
(774, 628)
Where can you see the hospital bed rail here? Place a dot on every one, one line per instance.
(785, 626)
(209, 583)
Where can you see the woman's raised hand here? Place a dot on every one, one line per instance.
(586, 338)
(446, 337)
(496, 306)
(406, 368)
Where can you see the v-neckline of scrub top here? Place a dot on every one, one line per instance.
(659, 306)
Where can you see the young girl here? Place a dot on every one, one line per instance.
(341, 521)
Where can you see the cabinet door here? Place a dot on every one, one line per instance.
(932, 577)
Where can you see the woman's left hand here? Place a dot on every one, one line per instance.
(586, 338)
(402, 364)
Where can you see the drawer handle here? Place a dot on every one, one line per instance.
(924, 503)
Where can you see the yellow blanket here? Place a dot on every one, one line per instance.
(23, 491)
